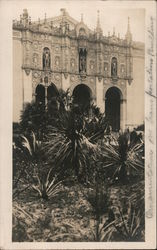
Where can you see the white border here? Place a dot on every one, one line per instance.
(6, 135)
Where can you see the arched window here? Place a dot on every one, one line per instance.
(82, 60)
(40, 94)
(114, 67)
(46, 58)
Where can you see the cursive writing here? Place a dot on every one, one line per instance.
(150, 116)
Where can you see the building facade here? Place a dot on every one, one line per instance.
(64, 53)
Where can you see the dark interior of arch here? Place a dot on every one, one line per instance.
(82, 96)
(40, 94)
(52, 94)
(112, 108)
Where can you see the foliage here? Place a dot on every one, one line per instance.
(48, 188)
(67, 146)
(123, 159)
(140, 128)
(37, 117)
(33, 118)
(35, 174)
(62, 140)
(127, 226)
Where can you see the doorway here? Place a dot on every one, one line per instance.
(112, 108)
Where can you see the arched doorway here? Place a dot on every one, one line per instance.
(82, 95)
(52, 94)
(112, 107)
(40, 94)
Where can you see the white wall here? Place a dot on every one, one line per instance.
(17, 80)
(99, 94)
(28, 88)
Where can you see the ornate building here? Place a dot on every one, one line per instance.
(61, 52)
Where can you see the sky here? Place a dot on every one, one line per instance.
(112, 14)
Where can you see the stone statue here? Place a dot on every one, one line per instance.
(114, 67)
(46, 59)
(82, 63)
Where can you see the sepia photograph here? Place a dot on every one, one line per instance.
(78, 164)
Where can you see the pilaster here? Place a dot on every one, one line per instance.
(99, 93)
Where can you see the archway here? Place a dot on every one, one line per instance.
(82, 95)
(40, 94)
(52, 94)
(112, 107)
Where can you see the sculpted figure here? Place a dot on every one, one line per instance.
(46, 59)
(114, 67)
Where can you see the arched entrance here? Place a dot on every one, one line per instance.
(52, 94)
(82, 96)
(40, 94)
(112, 107)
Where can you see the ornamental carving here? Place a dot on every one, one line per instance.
(72, 78)
(57, 77)
(27, 71)
(36, 74)
(57, 61)
(82, 43)
(91, 65)
(66, 75)
(35, 59)
(99, 78)
(91, 80)
(73, 51)
(72, 63)
(106, 68)
(35, 45)
(57, 49)
(122, 69)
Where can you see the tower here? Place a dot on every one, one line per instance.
(128, 35)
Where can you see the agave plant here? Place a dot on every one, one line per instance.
(67, 146)
(127, 226)
(123, 159)
(47, 185)
(48, 188)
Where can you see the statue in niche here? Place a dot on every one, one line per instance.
(46, 58)
(82, 62)
(114, 67)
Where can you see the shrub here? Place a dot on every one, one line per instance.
(122, 159)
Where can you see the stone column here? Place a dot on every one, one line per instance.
(99, 93)
(65, 81)
(123, 114)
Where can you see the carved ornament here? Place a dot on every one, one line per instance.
(99, 78)
(27, 71)
(66, 75)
